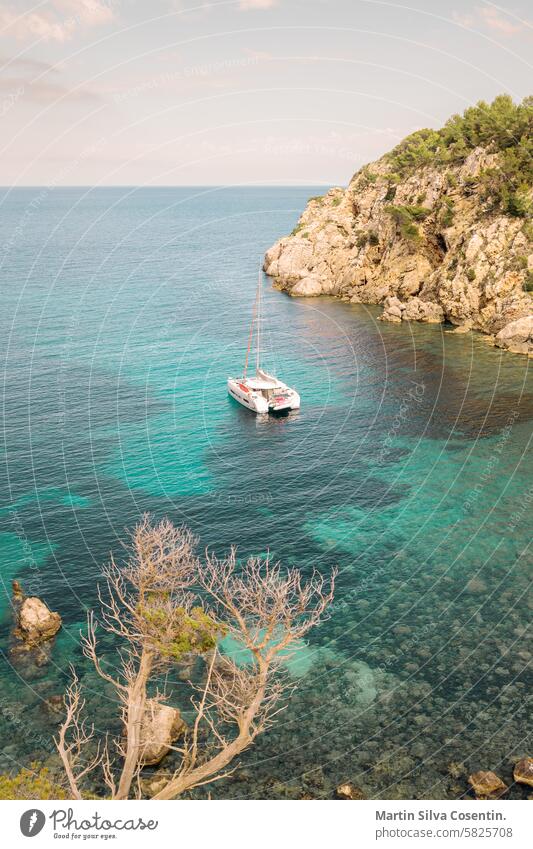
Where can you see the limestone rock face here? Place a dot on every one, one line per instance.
(293, 256)
(487, 785)
(461, 260)
(36, 622)
(523, 771)
(161, 726)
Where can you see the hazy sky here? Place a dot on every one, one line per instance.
(235, 91)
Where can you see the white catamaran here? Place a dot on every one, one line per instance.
(263, 393)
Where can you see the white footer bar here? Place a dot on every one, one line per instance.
(263, 825)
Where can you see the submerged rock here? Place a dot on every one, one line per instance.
(523, 771)
(161, 726)
(53, 708)
(487, 785)
(456, 769)
(349, 791)
(461, 328)
(154, 785)
(476, 585)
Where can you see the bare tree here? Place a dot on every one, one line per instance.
(164, 604)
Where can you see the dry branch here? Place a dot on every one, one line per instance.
(164, 604)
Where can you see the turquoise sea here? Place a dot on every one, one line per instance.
(123, 312)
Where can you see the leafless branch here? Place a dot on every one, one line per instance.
(73, 738)
(165, 602)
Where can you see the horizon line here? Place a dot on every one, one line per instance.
(169, 186)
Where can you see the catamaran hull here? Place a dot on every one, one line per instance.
(258, 404)
(285, 407)
(251, 400)
(279, 412)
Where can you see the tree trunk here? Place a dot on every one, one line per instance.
(134, 716)
(219, 762)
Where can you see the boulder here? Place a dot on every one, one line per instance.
(307, 287)
(36, 622)
(517, 336)
(427, 311)
(349, 791)
(155, 783)
(487, 785)
(523, 771)
(161, 726)
(414, 309)
(392, 309)
(389, 315)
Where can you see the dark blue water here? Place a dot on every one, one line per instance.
(123, 312)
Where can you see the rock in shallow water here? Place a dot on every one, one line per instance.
(523, 771)
(415, 309)
(487, 785)
(517, 336)
(392, 309)
(476, 585)
(425, 311)
(36, 622)
(53, 708)
(349, 791)
(161, 726)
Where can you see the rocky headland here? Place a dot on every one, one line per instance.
(437, 230)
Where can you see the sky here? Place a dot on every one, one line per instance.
(276, 92)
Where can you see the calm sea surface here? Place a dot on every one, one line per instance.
(122, 313)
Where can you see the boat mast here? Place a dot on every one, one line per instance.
(258, 319)
(254, 319)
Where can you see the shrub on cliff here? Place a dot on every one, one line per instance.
(502, 127)
(404, 216)
(446, 213)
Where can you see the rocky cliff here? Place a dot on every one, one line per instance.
(442, 235)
